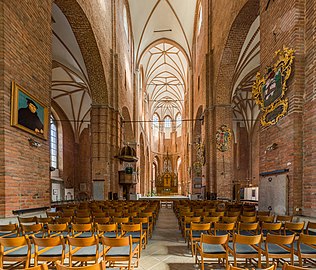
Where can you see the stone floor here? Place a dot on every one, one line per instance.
(167, 249)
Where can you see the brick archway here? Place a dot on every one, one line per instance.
(86, 40)
(233, 46)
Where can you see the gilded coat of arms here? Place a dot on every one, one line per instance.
(269, 90)
(223, 137)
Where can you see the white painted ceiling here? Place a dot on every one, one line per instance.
(165, 63)
(70, 83)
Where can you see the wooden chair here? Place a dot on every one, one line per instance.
(247, 219)
(224, 228)
(44, 220)
(306, 248)
(120, 250)
(27, 220)
(136, 231)
(107, 230)
(82, 230)
(145, 224)
(101, 220)
(58, 229)
(81, 220)
(97, 266)
(246, 247)
(196, 230)
(279, 247)
(230, 219)
(49, 249)
(53, 214)
(284, 218)
(15, 249)
(31, 230)
(272, 267)
(63, 220)
(293, 228)
(185, 226)
(211, 247)
(287, 266)
(265, 219)
(270, 227)
(311, 228)
(9, 230)
(39, 267)
(263, 213)
(151, 220)
(248, 228)
(84, 249)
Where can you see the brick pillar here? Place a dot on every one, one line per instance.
(104, 137)
(25, 53)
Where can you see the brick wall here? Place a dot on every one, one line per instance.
(309, 115)
(286, 29)
(24, 173)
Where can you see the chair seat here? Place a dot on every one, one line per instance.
(22, 251)
(134, 234)
(196, 234)
(276, 249)
(54, 251)
(311, 232)
(306, 249)
(87, 251)
(212, 248)
(243, 249)
(120, 251)
(248, 233)
(110, 234)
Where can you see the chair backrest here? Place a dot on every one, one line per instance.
(31, 228)
(116, 242)
(131, 227)
(59, 227)
(271, 267)
(81, 227)
(44, 220)
(311, 227)
(284, 218)
(247, 239)
(307, 239)
(97, 266)
(231, 267)
(63, 220)
(247, 219)
(83, 242)
(287, 266)
(211, 219)
(101, 228)
(120, 220)
(263, 218)
(295, 227)
(101, 220)
(214, 239)
(200, 226)
(229, 219)
(9, 230)
(26, 220)
(271, 226)
(82, 220)
(49, 241)
(243, 226)
(280, 239)
(219, 226)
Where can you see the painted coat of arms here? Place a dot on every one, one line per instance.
(223, 137)
(269, 90)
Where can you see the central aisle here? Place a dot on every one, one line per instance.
(166, 249)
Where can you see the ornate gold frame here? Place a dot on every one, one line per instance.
(280, 105)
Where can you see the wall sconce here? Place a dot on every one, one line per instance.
(34, 143)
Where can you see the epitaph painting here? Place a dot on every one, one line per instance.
(28, 113)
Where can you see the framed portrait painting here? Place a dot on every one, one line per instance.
(28, 113)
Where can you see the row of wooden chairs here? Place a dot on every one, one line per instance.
(90, 249)
(252, 246)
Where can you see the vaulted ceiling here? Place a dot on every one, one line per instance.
(163, 35)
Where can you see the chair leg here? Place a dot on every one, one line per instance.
(202, 263)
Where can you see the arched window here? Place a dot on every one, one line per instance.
(125, 21)
(53, 143)
(156, 120)
(200, 19)
(167, 122)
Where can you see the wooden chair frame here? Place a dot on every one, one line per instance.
(306, 248)
(208, 242)
(196, 230)
(114, 251)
